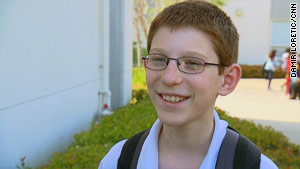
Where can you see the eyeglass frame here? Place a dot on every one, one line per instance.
(168, 60)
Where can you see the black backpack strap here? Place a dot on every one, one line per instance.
(237, 152)
(247, 154)
(131, 151)
(227, 150)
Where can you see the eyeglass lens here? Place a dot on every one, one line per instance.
(185, 64)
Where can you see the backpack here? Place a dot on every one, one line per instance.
(236, 152)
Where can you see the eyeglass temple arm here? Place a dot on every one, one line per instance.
(214, 64)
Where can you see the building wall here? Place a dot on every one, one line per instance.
(281, 9)
(120, 52)
(263, 26)
(280, 17)
(49, 77)
(254, 27)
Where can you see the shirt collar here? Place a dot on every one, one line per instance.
(149, 153)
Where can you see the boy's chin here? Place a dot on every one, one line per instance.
(172, 119)
(183, 118)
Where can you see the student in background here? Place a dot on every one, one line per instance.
(284, 59)
(287, 75)
(270, 67)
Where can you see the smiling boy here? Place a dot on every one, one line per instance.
(192, 58)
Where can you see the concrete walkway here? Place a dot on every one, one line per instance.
(252, 100)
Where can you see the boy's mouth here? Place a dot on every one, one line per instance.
(172, 98)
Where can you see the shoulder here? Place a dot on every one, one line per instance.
(110, 160)
(266, 163)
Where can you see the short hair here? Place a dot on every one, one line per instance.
(205, 17)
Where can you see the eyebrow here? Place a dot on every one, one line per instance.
(192, 53)
(159, 50)
(186, 53)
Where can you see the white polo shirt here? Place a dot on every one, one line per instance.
(149, 154)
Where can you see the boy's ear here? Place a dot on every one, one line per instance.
(231, 77)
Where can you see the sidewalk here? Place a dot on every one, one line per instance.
(252, 100)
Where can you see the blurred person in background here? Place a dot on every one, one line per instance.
(287, 74)
(270, 67)
(284, 60)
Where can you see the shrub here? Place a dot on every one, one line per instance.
(138, 78)
(272, 143)
(90, 147)
(255, 71)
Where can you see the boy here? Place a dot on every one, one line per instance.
(192, 58)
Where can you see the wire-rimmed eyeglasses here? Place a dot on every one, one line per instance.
(185, 64)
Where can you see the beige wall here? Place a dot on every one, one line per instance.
(253, 25)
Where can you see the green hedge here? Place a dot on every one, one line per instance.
(90, 147)
(273, 144)
(138, 78)
(255, 71)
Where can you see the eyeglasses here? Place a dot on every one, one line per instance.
(186, 64)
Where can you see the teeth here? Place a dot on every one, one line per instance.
(172, 99)
(168, 98)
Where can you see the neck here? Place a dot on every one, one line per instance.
(191, 138)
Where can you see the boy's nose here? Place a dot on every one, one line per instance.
(171, 75)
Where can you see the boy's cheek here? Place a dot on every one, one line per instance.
(145, 65)
(152, 80)
(148, 79)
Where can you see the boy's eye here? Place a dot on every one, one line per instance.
(157, 58)
(192, 63)
(157, 62)
(189, 66)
